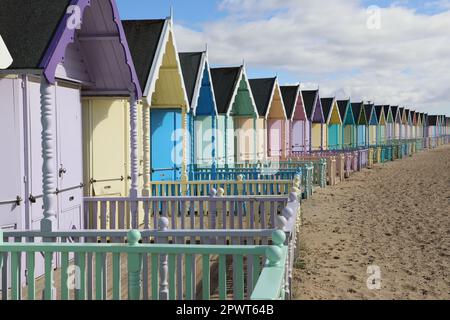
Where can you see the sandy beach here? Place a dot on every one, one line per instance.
(395, 216)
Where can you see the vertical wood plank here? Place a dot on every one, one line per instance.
(222, 277)
(172, 276)
(239, 280)
(116, 286)
(81, 291)
(206, 287)
(30, 275)
(64, 276)
(189, 294)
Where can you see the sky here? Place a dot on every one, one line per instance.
(388, 52)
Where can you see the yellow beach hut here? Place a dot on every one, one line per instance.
(165, 105)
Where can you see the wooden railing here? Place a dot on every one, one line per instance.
(237, 187)
(137, 271)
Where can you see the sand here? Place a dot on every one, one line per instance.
(395, 216)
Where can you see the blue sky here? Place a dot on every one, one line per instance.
(402, 64)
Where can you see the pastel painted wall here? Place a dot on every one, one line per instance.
(300, 136)
(275, 137)
(334, 137)
(245, 139)
(204, 141)
(316, 136)
(361, 134)
(349, 136)
(324, 137)
(261, 144)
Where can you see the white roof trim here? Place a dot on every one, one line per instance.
(158, 60)
(243, 74)
(275, 86)
(333, 105)
(198, 84)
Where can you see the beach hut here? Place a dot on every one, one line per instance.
(237, 115)
(298, 123)
(361, 121)
(409, 126)
(381, 128)
(432, 129)
(54, 67)
(404, 124)
(390, 123)
(397, 122)
(271, 116)
(203, 110)
(419, 132)
(313, 107)
(333, 122)
(372, 124)
(414, 125)
(165, 103)
(348, 124)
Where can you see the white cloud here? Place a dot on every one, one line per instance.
(406, 61)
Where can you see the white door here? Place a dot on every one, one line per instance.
(70, 157)
(10, 159)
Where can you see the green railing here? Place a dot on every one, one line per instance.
(117, 264)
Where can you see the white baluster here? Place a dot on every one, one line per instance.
(48, 223)
(134, 158)
(146, 147)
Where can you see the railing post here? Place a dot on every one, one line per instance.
(134, 160)
(163, 225)
(212, 210)
(48, 223)
(240, 184)
(146, 148)
(134, 267)
(323, 173)
(370, 158)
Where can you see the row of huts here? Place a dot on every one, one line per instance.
(95, 111)
(78, 101)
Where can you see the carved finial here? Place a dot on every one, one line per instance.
(163, 223)
(281, 222)
(278, 238)
(171, 12)
(133, 237)
(293, 196)
(220, 192)
(288, 213)
(213, 192)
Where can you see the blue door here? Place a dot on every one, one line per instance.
(166, 144)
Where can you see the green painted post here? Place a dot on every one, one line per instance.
(116, 277)
(134, 267)
(30, 274)
(222, 277)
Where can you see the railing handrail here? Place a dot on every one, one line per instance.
(189, 198)
(144, 233)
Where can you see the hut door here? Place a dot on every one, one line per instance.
(34, 154)
(10, 168)
(70, 159)
(275, 137)
(298, 136)
(166, 145)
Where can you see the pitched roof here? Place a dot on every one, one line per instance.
(432, 120)
(262, 92)
(327, 106)
(190, 65)
(309, 98)
(386, 110)
(28, 26)
(357, 108)
(224, 81)
(342, 106)
(368, 108)
(143, 38)
(378, 110)
(289, 94)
